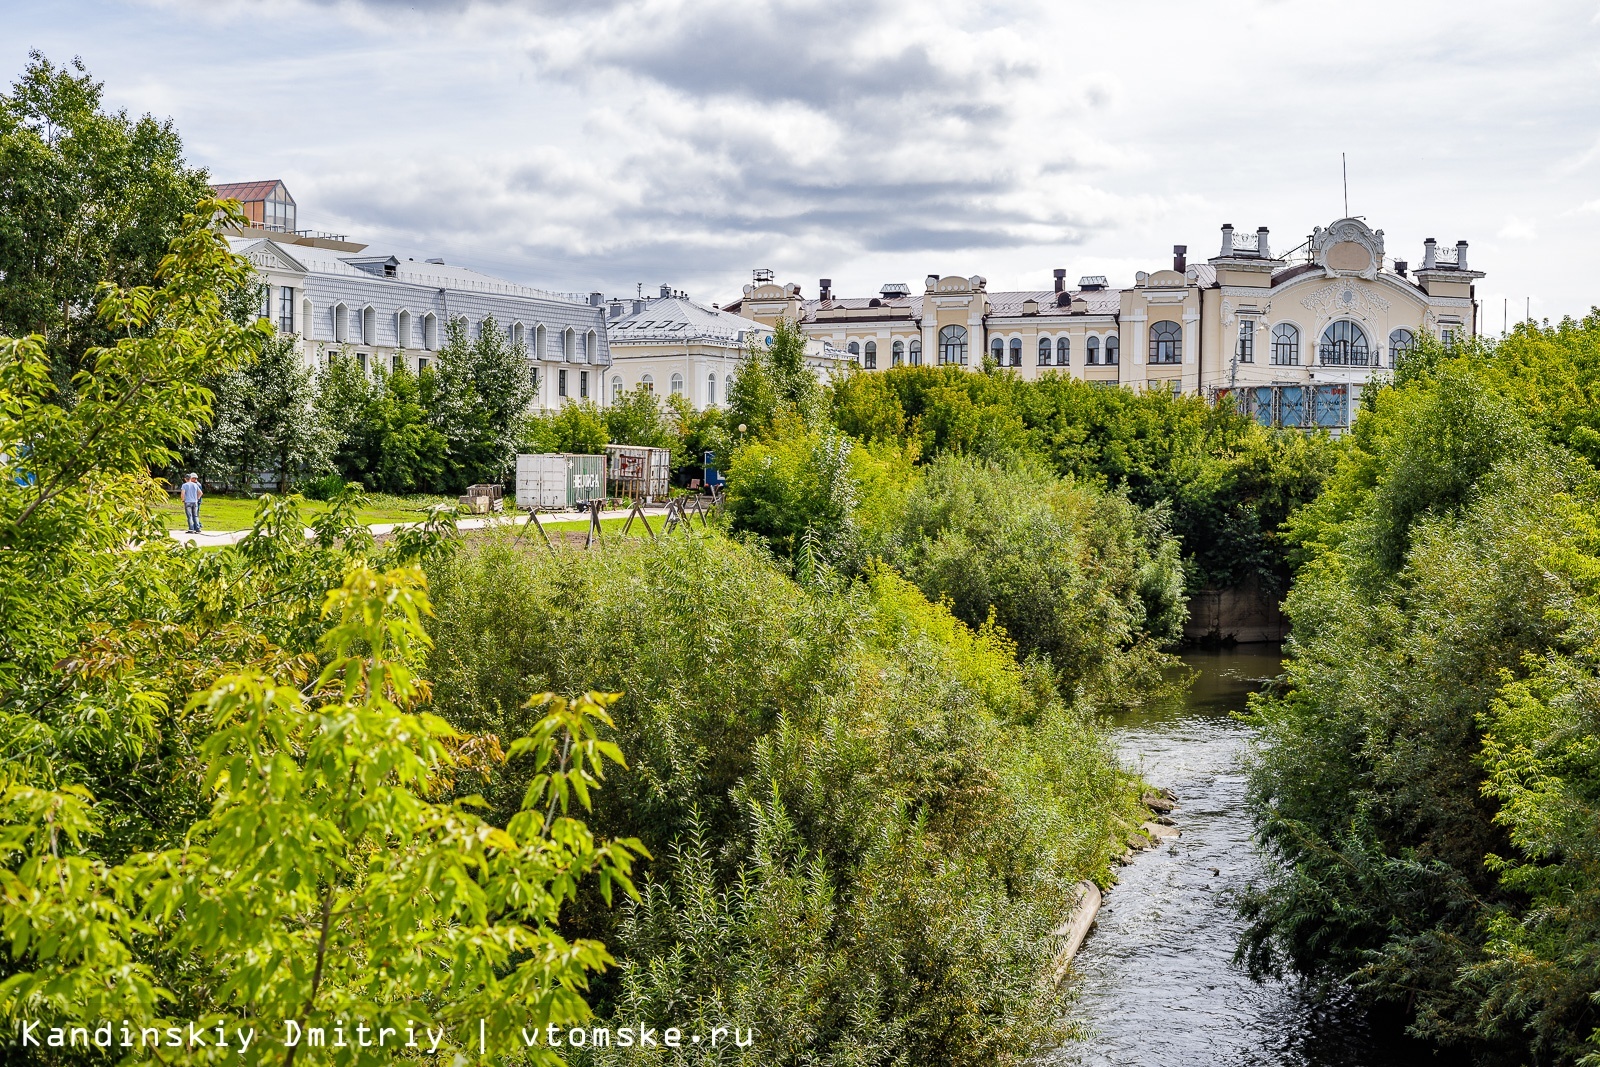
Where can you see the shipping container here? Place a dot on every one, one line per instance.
(555, 480)
(639, 473)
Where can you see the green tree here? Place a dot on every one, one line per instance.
(264, 421)
(478, 401)
(775, 383)
(90, 196)
(577, 426)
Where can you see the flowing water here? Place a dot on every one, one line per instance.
(1158, 983)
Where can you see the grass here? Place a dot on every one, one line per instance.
(224, 513)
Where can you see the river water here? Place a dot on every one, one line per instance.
(1157, 983)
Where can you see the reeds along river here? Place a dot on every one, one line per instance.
(1157, 982)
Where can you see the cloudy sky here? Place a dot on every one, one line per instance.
(604, 144)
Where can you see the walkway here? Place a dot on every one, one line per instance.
(208, 539)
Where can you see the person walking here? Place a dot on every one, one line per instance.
(191, 501)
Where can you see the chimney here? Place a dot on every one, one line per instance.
(1261, 242)
(1400, 267)
(638, 306)
(1430, 250)
(932, 280)
(1461, 255)
(1179, 263)
(826, 287)
(1061, 278)
(1227, 239)
(666, 291)
(595, 299)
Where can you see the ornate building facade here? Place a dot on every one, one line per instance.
(1292, 338)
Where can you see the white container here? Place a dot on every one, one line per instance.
(552, 481)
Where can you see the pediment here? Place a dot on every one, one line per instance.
(265, 255)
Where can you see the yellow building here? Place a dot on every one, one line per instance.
(1294, 337)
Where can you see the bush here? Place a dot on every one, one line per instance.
(866, 816)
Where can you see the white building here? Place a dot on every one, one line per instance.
(670, 345)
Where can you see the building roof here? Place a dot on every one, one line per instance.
(247, 192)
(675, 319)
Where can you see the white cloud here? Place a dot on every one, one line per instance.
(595, 145)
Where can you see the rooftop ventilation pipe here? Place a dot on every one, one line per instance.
(1061, 278)
(826, 286)
(1227, 239)
(1461, 255)
(1179, 263)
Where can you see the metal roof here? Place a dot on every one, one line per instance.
(248, 192)
(675, 319)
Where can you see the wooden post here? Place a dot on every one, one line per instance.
(595, 536)
(639, 511)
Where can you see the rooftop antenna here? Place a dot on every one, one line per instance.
(638, 290)
(1344, 169)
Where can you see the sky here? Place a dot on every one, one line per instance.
(615, 143)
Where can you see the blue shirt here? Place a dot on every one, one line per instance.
(191, 492)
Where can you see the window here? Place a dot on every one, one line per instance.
(916, 353)
(1401, 344)
(1016, 351)
(854, 348)
(591, 348)
(1286, 344)
(561, 382)
(430, 331)
(616, 389)
(676, 384)
(306, 317)
(538, 343)
(1447, 336)
(369, 326)
(533, 376)
(872, 355)
(897, 353)
(1111, 350)
(1344, 344)
(518, 335)
(361, 361)
(1166, 342)
(341, 323)
(285, 309)
(711, 390)
(583, 384)
(1246, 348)
(1091, 351)
(422, 363)
(569, 344)
(647, 383)
(266, 302)
(953, 344)
(997, 351)
(1044, 351)
(397, 362)
(402, 329)
(1063, 351)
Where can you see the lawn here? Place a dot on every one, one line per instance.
(223, 513)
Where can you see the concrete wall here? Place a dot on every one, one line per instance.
(1245, 615)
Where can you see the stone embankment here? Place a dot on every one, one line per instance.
(1159, 828)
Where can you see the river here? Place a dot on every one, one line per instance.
(1157, 983)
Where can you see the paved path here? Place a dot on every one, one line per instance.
(232, 537)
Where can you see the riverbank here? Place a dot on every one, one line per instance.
(1157, 984)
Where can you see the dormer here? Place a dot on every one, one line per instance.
(377, 266)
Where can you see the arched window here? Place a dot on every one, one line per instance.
(616, 389)
(1016, 351)
(402, 329)
(1063, 351)
(1044, 351)
(1401, 344)
(341, 323)
(430, 331)
(916, 352)
(369, 325)
(519, 335)
(647, 383)
(569, 345)
(854, 348)
(871, 361)
(1286, 344)
(1092, 351)
(591, 348)
(538, 342)
(1344, 344)
(1111, 350)
(997, 351)
(897, 353)
(711, 390)
(675, 383)
(1166, 342)
(953, 344)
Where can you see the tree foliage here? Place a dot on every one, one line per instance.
(1429, 781)
(89, 196)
